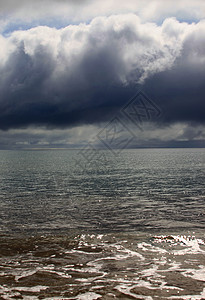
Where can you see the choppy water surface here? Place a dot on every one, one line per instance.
(126, 227)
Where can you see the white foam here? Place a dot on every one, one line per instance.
(190, 297)
(126, 253)
(143, 283)
(61, 274)
(151, 272)
(99, 236)
(7, 293)
(35, 289)
(30, 298)
(162, 261)
(125, 289)
(196, 274)
(83, 244)
(123, 253)
(191, 243)
(94, 267)
(96, 287)
(49, 267)
(148, 247)
(25, 274)
(56, 298)
(88, 296)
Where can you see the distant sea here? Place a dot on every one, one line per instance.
(102, 224)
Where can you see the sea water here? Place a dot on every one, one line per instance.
(102, 225)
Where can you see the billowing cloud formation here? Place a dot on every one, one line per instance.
(82, 74)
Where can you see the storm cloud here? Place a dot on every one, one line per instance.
(83, 74)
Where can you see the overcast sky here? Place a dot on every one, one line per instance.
(69, 67)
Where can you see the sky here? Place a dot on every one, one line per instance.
(82, 71)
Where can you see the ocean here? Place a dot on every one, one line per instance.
(102, 224)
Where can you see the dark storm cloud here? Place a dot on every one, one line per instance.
(90, 94)
(180, 91)
(84, 74)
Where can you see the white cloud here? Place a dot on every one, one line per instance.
(83, 10)
(142, 49)
(6, 49)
